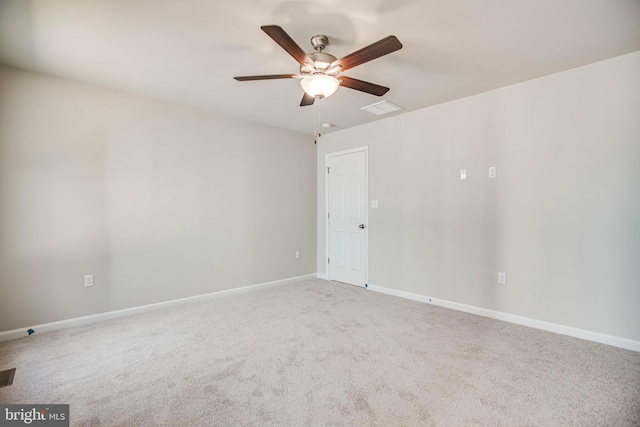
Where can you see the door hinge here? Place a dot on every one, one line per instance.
(328, 260)
(328, 170)
(328, 215)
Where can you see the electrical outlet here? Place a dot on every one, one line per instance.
(297, 254)
(88, 280)
(502, 278)
(374, 204)
(492, 172)
(463, 174)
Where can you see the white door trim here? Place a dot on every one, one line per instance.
(326, 205)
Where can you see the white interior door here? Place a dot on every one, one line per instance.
(347, 217)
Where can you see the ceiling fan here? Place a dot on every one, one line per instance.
(320, 71)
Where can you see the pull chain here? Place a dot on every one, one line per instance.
(316, 107)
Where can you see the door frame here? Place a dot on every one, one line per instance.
(364, 148)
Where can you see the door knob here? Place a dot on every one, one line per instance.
(361, 226)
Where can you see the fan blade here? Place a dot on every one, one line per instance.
(362, 86)
(371, 52)
(307, 100)
(282, 38)
(267, 77)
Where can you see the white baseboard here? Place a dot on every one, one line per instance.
(322, 276)
(397, 293)
(86, 320)
(512, 318)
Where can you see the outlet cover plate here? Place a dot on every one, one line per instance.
(502, 278)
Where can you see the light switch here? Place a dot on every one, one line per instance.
(374, 204)
(492, 172)
(463, 174)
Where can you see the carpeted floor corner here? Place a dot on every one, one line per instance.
(319, 353)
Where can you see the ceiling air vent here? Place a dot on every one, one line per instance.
(381, 108)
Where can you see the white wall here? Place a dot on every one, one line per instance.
(158, 201)
(562, 219)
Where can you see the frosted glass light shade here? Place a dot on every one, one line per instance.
(320, 85)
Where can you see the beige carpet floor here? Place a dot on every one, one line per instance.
(319, 353)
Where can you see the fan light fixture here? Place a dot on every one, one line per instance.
(320, 85)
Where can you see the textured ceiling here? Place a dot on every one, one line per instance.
(189, 50)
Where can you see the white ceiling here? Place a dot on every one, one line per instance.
(189, 50)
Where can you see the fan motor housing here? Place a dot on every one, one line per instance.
(322, 61)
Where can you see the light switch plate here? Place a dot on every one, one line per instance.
(88, 280)
(492, 172)
(463, 174)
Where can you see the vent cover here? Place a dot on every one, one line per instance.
(381, 108)
(6, 377)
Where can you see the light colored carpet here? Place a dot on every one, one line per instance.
(320, 353)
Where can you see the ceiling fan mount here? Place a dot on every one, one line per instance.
(320, 71)
(319, 42)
